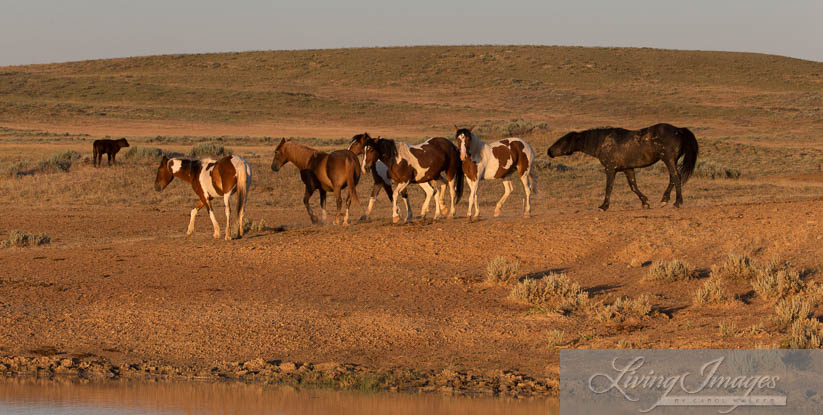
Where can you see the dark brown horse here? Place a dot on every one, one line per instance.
(380, 174)
(109, 147)
(625, 150)
(325, 172)
(210, 178)
(422, 164)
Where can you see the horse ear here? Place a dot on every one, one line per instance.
(472, 128)
(456, 128)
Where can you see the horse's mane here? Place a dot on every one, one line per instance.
(387, 147)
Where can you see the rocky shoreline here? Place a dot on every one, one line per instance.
(338, 376)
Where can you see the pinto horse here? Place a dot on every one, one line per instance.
(380, 174)
(493, 161)
(625, 150)
(210, 179)
(422, 164)
(325, 172)
(107, 147)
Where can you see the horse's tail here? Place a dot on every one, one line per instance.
(243, 184)
(689, 148)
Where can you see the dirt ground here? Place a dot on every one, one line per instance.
(123, 283)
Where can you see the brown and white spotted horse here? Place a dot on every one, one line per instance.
(108, 147)
(325, 172)
(497, 160)
(422, 164)
(210, 179)
(380, 175)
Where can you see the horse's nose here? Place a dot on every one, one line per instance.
(550, 153)
(157, 187)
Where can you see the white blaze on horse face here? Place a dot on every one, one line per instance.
(462, 140)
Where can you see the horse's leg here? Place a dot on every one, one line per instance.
(338, 194)
(114, 159)
(194, 211)
(405, 196)
(452, 195)
(395, 215)
(609, 184)
(438, 198)
(674, 182)
(352, 185)
(633, 185)
(429, 191)
(307, 179)
(348, 205)
(227, 202)
(323, 212)
(507, 190)
(214, 223)
(527, 189)
(109, 158)
(473, 199)
(375, 190)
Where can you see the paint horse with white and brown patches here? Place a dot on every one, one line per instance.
(380, 175)
(434, 160)
(210, 179)
(325, 172)
(499, 160)
(621, 150)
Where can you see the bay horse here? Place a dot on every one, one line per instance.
(621, 150)
(422, 164)
(325, 172)
(498, 160)
(108, 147)
(210, 179)
(380, 174)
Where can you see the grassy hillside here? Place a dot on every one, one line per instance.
(425, 88)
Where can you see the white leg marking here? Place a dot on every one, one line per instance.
(429, 192)
(227, 202)
(526, 179)
(215, 224)
(371, 205)
(507, 189)
(191, 222)
(438, 199)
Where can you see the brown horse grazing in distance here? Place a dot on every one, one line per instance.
(210, 179)
(498, 160)
(325, 172)
(625, 150)
(380, 174)
(422, 164)
(109, 147)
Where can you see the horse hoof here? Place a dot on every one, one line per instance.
(663, 204)
(396, 219)
(228, 238)
(646, 206)
(216, 236)
(677, 205)
(527, 215)
(603, 208)
(496, 213)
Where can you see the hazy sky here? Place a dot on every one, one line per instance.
(39, 31)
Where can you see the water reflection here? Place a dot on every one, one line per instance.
(72, 397)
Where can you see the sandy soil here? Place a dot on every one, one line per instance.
(123, 283)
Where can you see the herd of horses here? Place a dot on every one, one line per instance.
(436, 164)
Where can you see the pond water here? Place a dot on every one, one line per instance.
(28, 396)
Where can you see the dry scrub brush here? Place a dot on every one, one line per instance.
(735, 267)
(777, 280)
(554, 293)
(501, 270)
(23, 239)
(623, 309)
(675, 270)
(713, 291)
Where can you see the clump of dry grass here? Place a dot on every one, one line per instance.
(258, 226)
(675, 270)
(714, 291)
(790, 310)
(553, 292)
(624, 308)
(777, 280)
(807, 333)
(555, 338)
(727, 329)
(501, 270)
(712, 170)
(143, 153)
(735, 267)
(23, 239)
(209, 149)
(59, 162)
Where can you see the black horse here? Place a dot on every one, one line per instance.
(625, 150)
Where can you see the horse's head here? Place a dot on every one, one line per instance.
(566, 145)
(463, 138)
(370, 153)
(122, 142)
(381, 149)
(358, 142)
(280, 155)
(164, 174)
